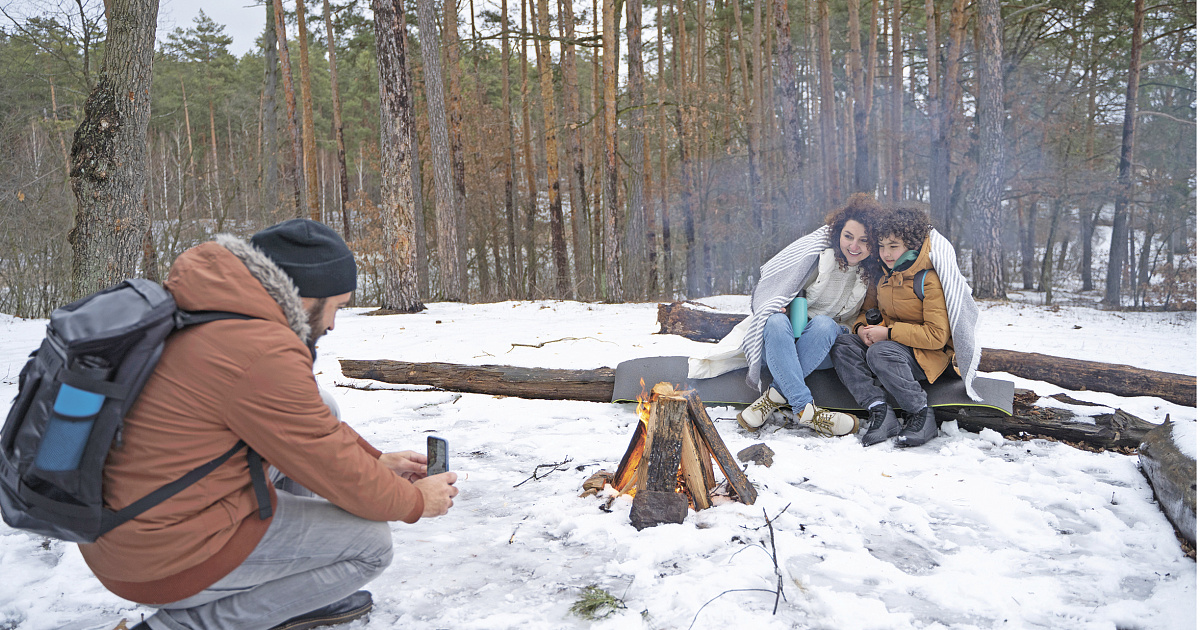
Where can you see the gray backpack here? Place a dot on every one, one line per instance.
(73, 394)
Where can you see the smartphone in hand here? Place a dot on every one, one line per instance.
(438, 454)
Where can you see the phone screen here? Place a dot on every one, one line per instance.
(438, 454)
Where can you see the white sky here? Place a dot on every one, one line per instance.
(243, 19)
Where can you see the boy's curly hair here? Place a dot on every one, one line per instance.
(863, 208)
(908, 223)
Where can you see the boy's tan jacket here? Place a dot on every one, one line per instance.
(218, 383)
(922, 325)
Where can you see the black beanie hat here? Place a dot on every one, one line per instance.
(315, 257)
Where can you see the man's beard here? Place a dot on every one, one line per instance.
(315, 325)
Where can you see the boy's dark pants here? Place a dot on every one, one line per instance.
(893, 363)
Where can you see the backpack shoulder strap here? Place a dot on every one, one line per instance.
(111, 519)
(919, 284)
(184, 318)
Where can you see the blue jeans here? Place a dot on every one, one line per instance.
(313, 554)
(791, 360)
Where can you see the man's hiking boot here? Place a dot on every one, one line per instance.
(753, 417)
(344, 610)
(823, 421)
(881, 424)
(920, 428)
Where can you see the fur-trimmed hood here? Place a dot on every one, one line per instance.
(229, 274)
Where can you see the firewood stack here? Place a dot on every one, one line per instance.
(669, 462)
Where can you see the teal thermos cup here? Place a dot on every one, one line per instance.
(798, 313)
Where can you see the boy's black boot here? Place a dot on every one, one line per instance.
(881, 424)
(922, 427)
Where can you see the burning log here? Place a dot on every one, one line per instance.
(669, 459)
(1123, 380)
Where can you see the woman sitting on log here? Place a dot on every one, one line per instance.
(830, 269)
(926, 308)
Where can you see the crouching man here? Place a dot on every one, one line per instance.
(229, 551)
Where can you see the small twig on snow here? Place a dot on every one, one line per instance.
(539, 345)
(514, 534)
(775, 558)
(555, 467)
(453, 399)
(735, 590)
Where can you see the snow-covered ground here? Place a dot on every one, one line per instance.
(969, 531)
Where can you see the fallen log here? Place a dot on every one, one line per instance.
(680, 319)
(1115, 430)
(504, 380)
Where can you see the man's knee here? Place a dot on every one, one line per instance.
(376, 552)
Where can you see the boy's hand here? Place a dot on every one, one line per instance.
(872, 334)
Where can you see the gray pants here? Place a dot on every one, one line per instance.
(892, 363)
(313, 554)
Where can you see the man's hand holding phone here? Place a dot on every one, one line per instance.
(438, 485)
(407, 464)
(439, 493)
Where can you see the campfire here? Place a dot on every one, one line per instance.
(668, 466)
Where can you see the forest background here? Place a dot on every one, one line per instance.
(615, 151)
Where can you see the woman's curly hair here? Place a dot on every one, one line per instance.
(908, 223)
(863, 208)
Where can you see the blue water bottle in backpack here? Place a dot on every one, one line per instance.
(75, 412)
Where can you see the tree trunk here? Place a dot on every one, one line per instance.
(683, 126)
(214, 171)
(396, 114)
(612, 272)
(750, 103)
(108, 154)
(897, 107)
(453, 75)
(789, 99)
(945, 113)
(510, 208)
(445, 199)
(343, 176)
(531, 264)
(635, 268)
(829, 153)
(289, 91)
(576, 179)
(308, 132)
(422, 250)
(1046, 279)
(558, 241)
(668, 282)
(1026, 231)
(1087, 228)
(1120, 229)
(269, 197)
(985, 197)
(858, 94)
